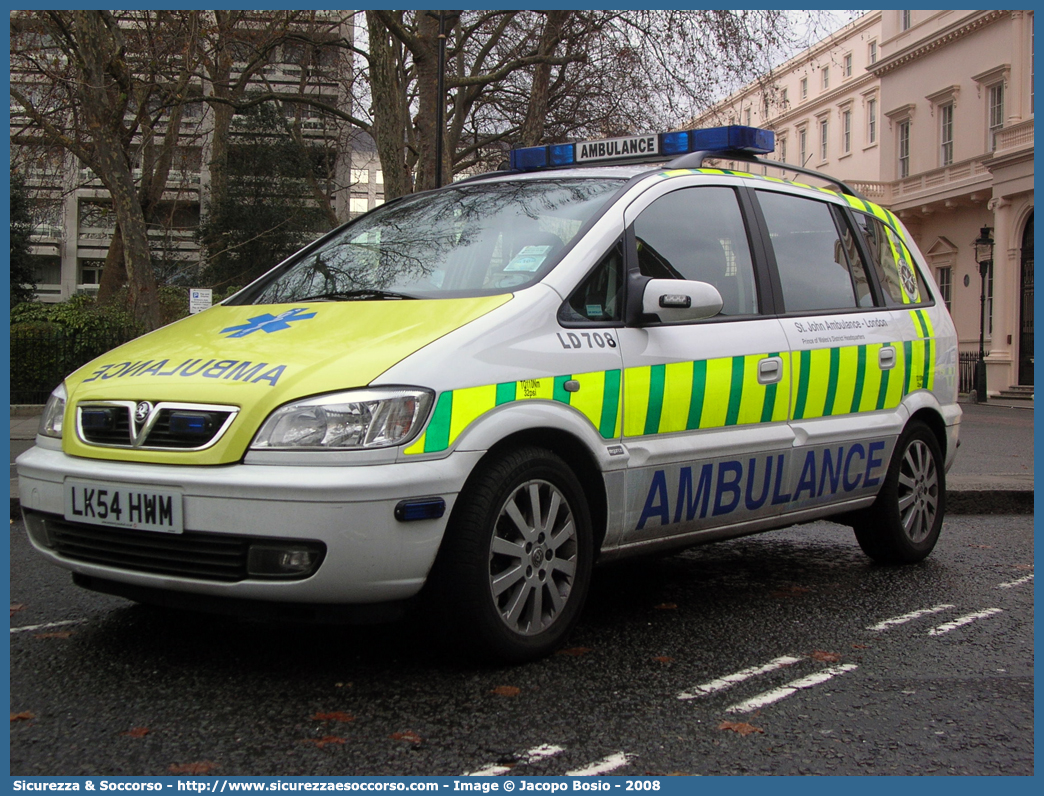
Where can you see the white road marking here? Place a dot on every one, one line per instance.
(63, 623)
(730, 680)
(611, 763)
(960, 621)
(529, 756)
(767, 698)
(1015, 583)
(902, 620)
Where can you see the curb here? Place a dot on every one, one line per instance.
(26, 410)
(995, 501)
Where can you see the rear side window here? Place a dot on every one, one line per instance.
(891, 261)
(699, 234)
(814, 260)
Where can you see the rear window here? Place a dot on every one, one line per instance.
(891, 260)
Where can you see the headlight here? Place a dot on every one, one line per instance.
(53, 414)
(375, 418)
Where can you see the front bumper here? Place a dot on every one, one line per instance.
(370, 556)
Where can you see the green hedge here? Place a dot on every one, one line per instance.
(49, 341)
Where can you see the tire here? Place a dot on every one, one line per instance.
(903, 524)
(515, 567)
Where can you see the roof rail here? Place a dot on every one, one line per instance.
(694, 160)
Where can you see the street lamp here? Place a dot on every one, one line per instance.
(984, 257)
(443, 17)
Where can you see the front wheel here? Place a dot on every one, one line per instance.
(903, 524)
(516, 563)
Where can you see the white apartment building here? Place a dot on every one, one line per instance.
(73, 223)
(929, 113)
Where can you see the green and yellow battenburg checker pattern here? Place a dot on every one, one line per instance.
(597, 399)
(709, 393)
(845, 380)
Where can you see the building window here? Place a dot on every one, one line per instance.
(824, 131)
(765, 107)
(872, 54)
(846, 69)
(946, 134)
(996, 114)
(47, 270)
(804, 88)
(90, 271)
(904, 148)
(96, 216)
(783, 150)
(783, 100)
(905, 20)
(358, 204)
(826, 78)
(360, 177)
(871, 121)
(846, 132)
(944, 276)
(747, 116)
(803, 146)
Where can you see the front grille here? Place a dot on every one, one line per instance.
(207, 556)
(167, 425)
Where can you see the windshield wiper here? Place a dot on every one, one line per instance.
(357, 295)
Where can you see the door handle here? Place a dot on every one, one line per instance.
(770, 370)
(886, 358)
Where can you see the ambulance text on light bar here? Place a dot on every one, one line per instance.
(651, 146)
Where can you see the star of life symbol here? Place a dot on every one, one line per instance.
(909, 281)
(269, 323)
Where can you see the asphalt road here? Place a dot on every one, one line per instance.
(794, 655)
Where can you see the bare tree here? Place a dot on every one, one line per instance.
(526, 77)
(109, 90)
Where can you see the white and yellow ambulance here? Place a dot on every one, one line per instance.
(605, 350)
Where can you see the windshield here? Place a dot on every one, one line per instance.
(470, 240)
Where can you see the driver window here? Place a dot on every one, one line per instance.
(698, 234)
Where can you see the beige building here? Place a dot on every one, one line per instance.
(929, 113)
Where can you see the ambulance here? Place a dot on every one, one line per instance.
(468, 397)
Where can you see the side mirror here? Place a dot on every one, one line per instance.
(680, 300)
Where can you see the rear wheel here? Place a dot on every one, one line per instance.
(516, 564)
(903, 524)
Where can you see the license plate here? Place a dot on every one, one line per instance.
(123, 506)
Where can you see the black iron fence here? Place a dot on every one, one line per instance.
(42, 355)
(966, 366)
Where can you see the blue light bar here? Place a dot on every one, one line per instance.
(562, 154)
(645, 148)
(735, 137)
(534, 157)
(675, 143)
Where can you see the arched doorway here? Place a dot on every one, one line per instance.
(1026, 306)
